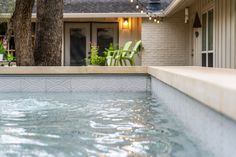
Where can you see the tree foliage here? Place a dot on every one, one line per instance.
(6, 7)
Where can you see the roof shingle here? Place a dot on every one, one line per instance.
(103, 6)
(112, 6)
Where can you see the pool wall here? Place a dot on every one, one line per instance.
(215, 132)
(202, 98)
(214, 88)
(75, 83)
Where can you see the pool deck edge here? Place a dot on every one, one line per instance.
(215, 88)
(71, 70)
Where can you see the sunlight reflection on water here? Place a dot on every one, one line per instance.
(90, 124)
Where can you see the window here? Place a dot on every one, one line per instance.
(105, 37)
(208, 39)
(77, 46)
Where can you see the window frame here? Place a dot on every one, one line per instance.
(207, 51)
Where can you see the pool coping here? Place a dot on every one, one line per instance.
(215, 88)
(66, 70)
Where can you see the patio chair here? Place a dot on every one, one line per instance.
(114, 57)
(130, 55)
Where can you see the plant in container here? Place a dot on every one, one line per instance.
(95, 59)
(2, 51)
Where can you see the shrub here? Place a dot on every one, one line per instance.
(95, 59)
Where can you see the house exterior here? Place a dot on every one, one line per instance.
(98, 22)
(176, 40)
(102, 22)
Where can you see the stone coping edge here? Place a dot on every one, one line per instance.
(71, 70)
(216, 88)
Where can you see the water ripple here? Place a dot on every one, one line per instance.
(90, 124)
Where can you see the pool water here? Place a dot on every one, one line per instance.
(91, 124)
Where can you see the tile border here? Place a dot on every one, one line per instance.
(75, 83)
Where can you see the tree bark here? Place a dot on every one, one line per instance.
(49, 29)
(21, 22)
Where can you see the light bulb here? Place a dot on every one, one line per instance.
(131, 1)
(137, 6)
(150, 18)
(126, 23)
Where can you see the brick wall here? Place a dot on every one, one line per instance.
(167, 43)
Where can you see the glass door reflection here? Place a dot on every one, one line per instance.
(105, 34)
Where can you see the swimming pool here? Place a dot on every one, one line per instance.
(190, 101)
(92, 124)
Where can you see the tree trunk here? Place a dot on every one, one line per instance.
(21, 21)
(49, 29)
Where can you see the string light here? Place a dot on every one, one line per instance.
(142, 9)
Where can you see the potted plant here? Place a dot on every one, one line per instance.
(95, 59)
(2, 51)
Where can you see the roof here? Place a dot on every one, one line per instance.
(103, 6)
(112, 6)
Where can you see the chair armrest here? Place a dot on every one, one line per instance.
(126, 52)
(110, 53)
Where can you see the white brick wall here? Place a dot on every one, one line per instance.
(166, 43)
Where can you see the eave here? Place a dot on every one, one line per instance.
(177, 5)
(88, 15)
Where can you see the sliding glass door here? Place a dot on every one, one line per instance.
(77, 43)
(104, 34)
(79, 36)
